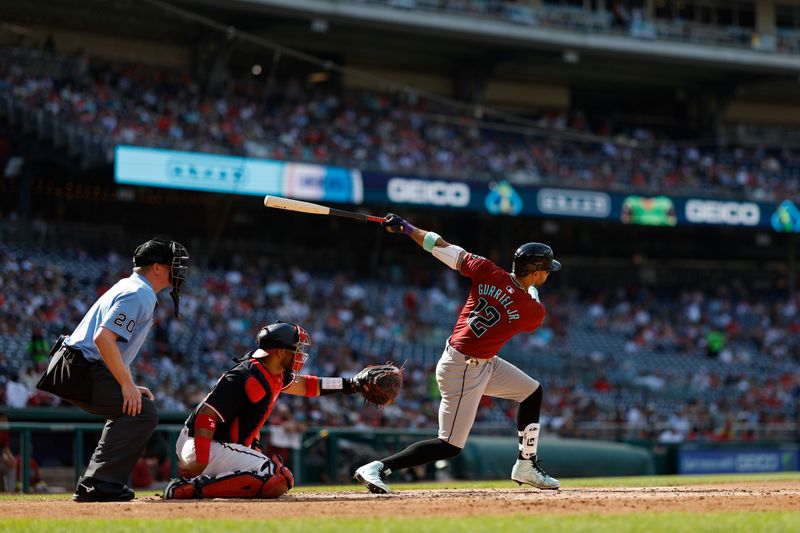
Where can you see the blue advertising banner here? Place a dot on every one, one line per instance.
(505, 198)
(733, 461)
(238, 175)
(235, 175)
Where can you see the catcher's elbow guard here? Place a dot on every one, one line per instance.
(449, 255)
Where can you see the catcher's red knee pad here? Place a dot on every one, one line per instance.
(279, 484)
(274, 487)
(285, 472)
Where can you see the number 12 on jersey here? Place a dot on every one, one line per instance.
(482, 317)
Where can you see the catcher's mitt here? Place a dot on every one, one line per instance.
(379, 384)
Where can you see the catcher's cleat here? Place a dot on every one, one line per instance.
(371, 476)
(180, 489)
(529, 472)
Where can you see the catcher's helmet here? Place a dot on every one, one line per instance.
(288, 336)
(532, 257)
(170, 253)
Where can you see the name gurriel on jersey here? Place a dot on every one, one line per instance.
(501, 296)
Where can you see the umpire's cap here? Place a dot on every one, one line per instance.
(153, 251)
(532, 257)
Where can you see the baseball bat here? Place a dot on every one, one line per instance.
(315, 209)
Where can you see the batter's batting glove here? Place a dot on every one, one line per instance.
(396, 224)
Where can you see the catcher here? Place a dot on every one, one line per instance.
(219, 454)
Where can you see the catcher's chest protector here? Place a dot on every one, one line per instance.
(261, 389)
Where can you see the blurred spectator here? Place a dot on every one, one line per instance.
(17, 393)
(666, 382)
(8, 463)
(285, 433)
(135, 104)
(38, 349)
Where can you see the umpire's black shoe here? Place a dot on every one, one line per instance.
(94, 490)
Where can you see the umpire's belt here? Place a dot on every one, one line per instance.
(458, 356)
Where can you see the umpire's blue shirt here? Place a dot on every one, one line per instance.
(127, 310)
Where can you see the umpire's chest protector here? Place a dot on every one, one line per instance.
(261, 389)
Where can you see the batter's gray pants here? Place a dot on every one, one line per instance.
(124, 437)
(463, 380)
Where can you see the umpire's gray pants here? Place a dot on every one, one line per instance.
(124, 436)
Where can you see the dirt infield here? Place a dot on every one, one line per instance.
(756, 496)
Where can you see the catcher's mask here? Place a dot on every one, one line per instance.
(289, 336)
(170, 253)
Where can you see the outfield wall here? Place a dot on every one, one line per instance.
(492, 458)
(64, 436)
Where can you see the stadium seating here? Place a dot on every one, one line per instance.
(91, 106)
(604, 371)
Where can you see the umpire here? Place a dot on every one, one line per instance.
(91, 367)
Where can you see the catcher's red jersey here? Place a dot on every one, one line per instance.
(496, 310)
(243, 398)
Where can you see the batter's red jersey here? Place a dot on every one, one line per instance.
(496, 310)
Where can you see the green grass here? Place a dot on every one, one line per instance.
(664, 522)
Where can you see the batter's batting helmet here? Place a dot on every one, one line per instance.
(170, 253)
(288, 336)
(532, 257)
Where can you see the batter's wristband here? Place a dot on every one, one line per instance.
(408, 228)
(312, 386)
(430, 241)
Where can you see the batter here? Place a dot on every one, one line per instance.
(500, 305)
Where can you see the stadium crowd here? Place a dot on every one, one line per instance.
(671, 22)
(295, 119)
(621, 363)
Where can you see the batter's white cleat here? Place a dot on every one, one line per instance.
(528, 471)
(371, 476)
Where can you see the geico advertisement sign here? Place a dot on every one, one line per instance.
(728, 213)
(575, 203)
(410, 191)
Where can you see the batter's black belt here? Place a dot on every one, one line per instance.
(458, 356)
(68, 375)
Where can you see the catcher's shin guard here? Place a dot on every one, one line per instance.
(180, 489)
(248, 485)
(233, 485)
